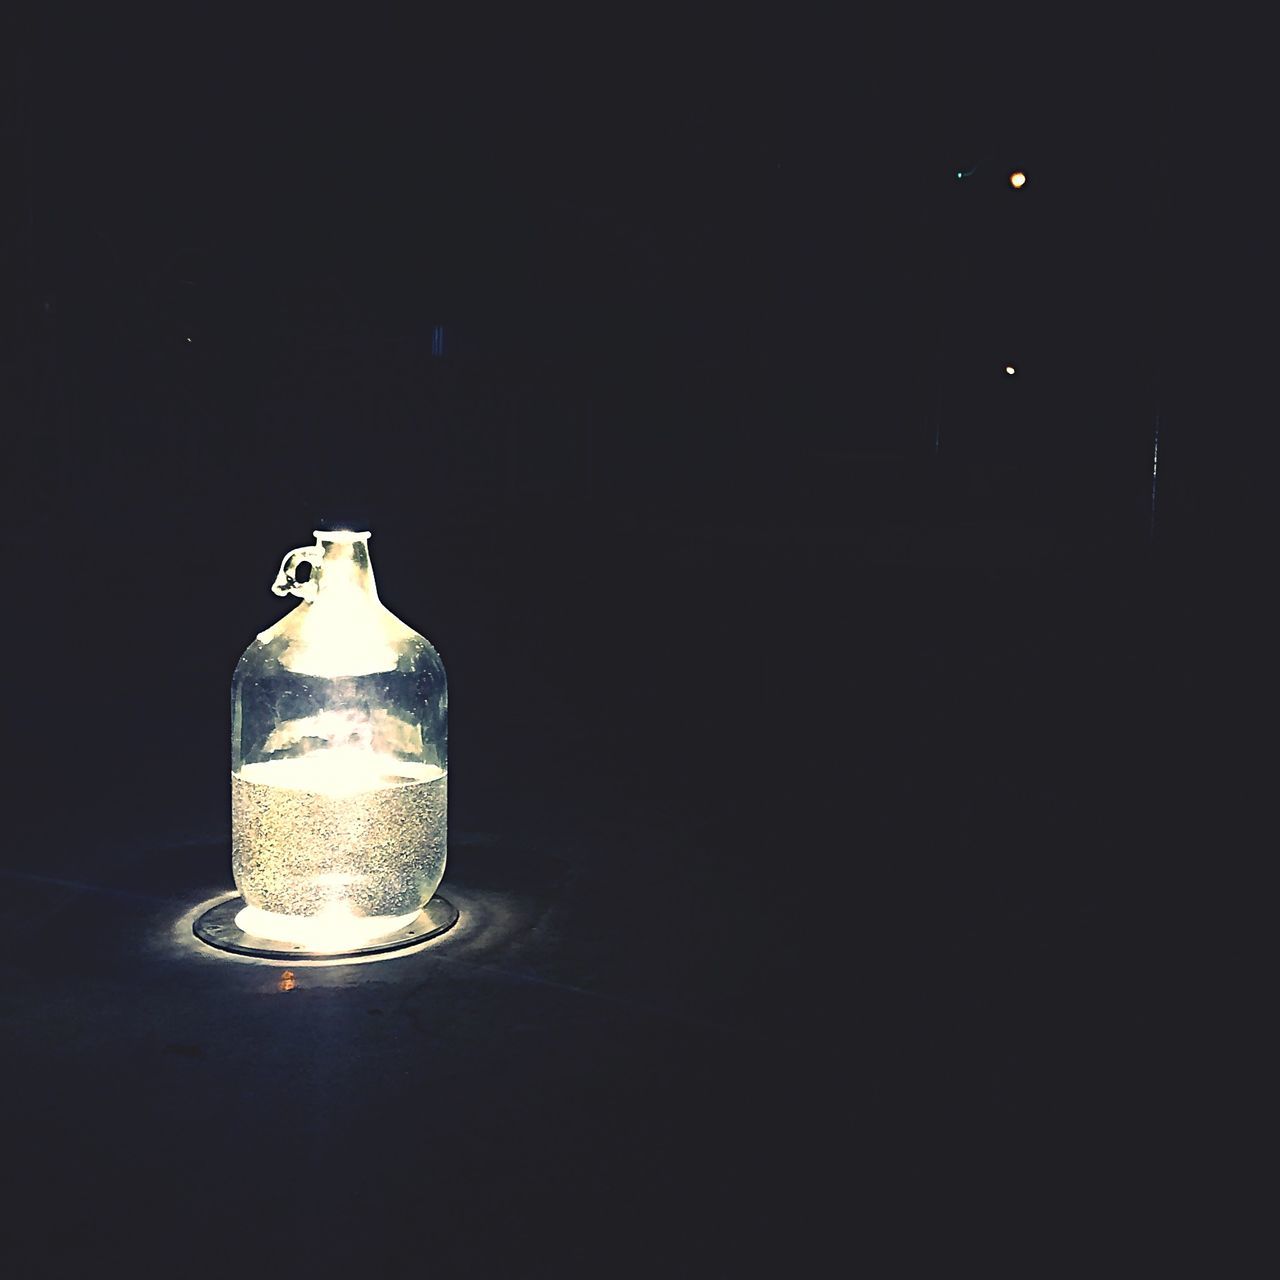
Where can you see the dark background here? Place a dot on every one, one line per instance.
(832, 706)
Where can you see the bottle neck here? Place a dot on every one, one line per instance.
(345, 569)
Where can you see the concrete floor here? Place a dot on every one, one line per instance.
(816, 914)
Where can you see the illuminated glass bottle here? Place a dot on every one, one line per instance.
(339, 769)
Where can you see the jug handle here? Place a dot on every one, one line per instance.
(287, 584)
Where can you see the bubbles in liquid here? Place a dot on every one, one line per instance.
(367, 833)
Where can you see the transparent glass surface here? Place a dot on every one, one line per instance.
(339, 766)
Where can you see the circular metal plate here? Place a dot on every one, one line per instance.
(217, 927)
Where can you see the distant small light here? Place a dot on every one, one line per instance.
(1009, 369)
(188, 339)
(1017, 178)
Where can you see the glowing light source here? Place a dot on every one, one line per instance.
(336, 928)
(1017, 178)
(1010, 370)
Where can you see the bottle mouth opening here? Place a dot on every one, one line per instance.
(340, 535)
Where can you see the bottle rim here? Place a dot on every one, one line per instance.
(340, 535)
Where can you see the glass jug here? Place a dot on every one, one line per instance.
(339, 772)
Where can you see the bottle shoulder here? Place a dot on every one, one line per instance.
(339, 642)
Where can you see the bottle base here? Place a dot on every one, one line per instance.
(336, 928)
(232, 926)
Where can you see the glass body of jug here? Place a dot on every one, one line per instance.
(339, 768)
